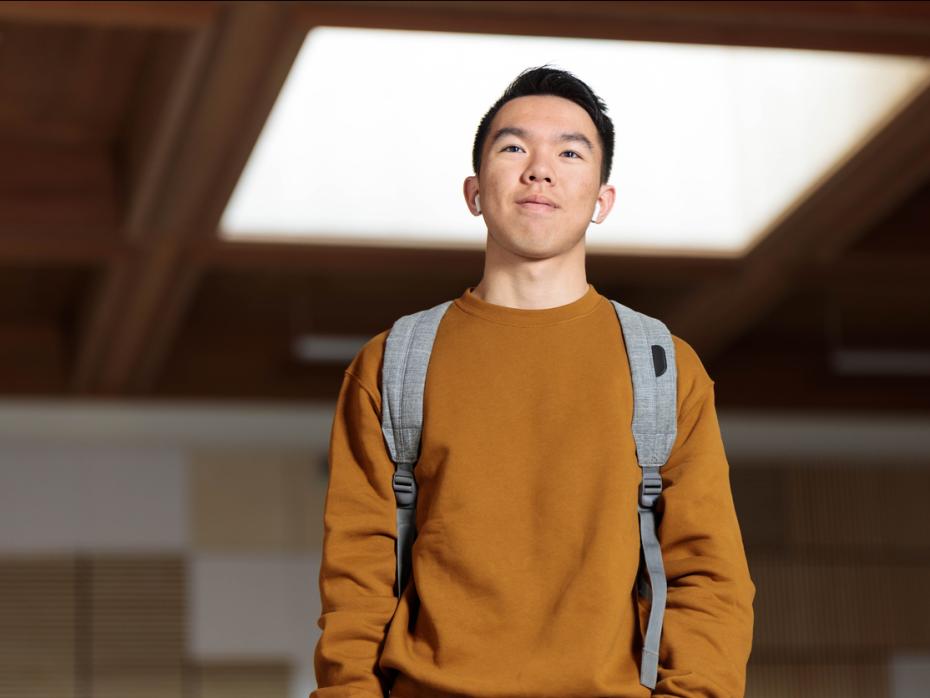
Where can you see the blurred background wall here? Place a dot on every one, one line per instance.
(168, 390)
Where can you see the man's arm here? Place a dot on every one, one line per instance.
(707, 632)
(358, 564)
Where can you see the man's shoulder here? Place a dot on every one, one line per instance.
(366, 365)
(693, 379)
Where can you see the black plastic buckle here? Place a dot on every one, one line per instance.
(405, 489)
(651, 487)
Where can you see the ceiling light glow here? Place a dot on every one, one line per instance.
(370, 138)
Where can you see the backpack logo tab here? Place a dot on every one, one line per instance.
(658, 359)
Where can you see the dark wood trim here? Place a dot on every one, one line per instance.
(162, 14)
(98, 316)
(155, 131)
(320, 258)
(60, 249)
(876, 268)
(901, 28)
(54, 189)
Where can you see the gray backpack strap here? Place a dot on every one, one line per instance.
(403, 377)
(651, 356)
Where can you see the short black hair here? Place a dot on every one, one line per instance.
(544, 80)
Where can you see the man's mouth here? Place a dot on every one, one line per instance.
(537, 203)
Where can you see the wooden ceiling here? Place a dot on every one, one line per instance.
(124, 128)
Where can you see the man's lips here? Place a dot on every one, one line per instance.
(537, 203)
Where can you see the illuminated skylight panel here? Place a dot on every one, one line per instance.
(371, 136)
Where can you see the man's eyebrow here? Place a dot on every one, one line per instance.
(508, 131)
(521, 133)
(579, 137)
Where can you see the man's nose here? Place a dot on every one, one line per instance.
(539, 167)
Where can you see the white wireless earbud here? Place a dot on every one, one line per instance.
(597, 211)
(477, 204)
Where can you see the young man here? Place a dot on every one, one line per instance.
(525, 562)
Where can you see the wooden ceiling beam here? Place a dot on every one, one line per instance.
(151, 138)
(56, 189)
(258, 44)
(877, 268)
(900, 28)
(222, 96)
(879, 177)
(161, 14)
(153, 132)
(317, 258)
(60, 249)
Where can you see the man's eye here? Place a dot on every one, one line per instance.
(510, 146)
(574, 154)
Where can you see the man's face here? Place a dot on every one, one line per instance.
(540, 147)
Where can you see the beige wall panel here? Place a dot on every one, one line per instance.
(255, 501)
(37, 628)
(243, 680)
(843, 606)
(884, 509)
(310, 495)
(18, 682)
(57, 497)
(818, 680)
(139, 683)
(137, 608)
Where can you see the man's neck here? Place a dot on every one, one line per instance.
(518, 282)
(515, 292)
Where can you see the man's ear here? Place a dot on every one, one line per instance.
(605, 200)
(470, 190)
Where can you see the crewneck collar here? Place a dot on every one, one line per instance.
(526, 317)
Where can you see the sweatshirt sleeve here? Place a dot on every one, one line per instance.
(358, 564)
(707, 630)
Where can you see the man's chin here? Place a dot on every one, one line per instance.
(532, 242)
(541, 250)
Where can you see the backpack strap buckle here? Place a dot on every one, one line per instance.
(405, 488)
(651, 486)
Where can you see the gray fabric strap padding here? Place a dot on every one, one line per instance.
(655, 420)
(403, 378)
(651, 355)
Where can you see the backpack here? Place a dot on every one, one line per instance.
(651, 356)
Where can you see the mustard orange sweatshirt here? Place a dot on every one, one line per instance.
(525, 562)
